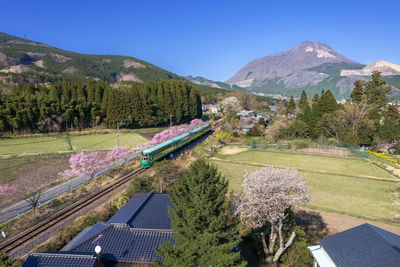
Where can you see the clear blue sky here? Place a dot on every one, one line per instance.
(213, 39)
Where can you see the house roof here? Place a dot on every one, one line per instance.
(60, 259)
(131, 235)
(145, 211)
(364, 245)
(122, 243)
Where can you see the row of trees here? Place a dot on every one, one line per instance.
(63, 105)
(366, 119)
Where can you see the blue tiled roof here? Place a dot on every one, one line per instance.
(94, 231)
(154, 214)
(60, 259)
(125, 214)
(121, 243)
(131, 235)
(145, 211)
(364, 245)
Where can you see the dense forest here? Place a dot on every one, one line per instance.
(29, 108)
(368, 118)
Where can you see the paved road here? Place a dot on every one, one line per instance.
(22, 207)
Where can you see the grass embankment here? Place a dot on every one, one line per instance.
(343, 185)
(64, 142)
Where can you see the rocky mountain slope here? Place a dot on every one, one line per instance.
(203, 81)
(309, 66)
(386, 68)
(23, 60)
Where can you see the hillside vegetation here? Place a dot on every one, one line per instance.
(22, 60)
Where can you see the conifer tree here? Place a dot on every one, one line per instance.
(199, 220)
(291, 108)
(303, 103)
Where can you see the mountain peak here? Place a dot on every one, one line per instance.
(301, 57)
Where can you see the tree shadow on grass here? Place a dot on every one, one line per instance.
(313, 224)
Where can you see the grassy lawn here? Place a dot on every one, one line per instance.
(333, 182)
(105, 141)
(54, 143)
(336, 165)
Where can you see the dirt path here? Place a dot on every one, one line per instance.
(338, 222)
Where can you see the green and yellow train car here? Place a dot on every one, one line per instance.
(166, 148)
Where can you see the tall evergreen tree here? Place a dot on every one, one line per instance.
(291, 108)
(303, 103)
(199, 220)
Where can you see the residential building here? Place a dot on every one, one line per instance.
(364, 245)
(127, 239)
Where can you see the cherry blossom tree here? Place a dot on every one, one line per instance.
(119, 152)
(33, 185)
(170, 133)
(86, 164)
(7, 189)
(267, 194)
(233, 102)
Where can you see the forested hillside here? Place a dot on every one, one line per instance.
(23, 60)
(31, 107)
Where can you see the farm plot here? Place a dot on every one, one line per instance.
(341, 185)
(54, 143)
(315, 163)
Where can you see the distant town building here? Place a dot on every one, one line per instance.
(364, 245)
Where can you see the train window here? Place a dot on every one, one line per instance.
(146, 156)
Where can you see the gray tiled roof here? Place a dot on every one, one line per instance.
(131, 235)
(124, 244)
(60, 259)
(146, 211)
(364, 245)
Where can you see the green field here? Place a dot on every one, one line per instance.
(336, 184)
(53, 143)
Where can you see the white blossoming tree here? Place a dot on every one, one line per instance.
(267, 194)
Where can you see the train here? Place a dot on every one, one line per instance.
(150, 155)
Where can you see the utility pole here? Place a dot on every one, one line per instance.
(118, 124)
(170, 120)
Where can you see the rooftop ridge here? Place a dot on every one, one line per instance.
(58, 254)
(124, 225)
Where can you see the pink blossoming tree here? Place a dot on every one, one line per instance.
(170, 133)
(7, 189)
(119, 152)
(33, 185)
(267, 194)
(86, 164)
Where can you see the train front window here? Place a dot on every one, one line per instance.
(146, 156)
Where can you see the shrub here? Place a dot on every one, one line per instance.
(298, 254)
(141, 184)
(254, 131)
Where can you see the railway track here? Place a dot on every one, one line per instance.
(29, 235)
(32, 233)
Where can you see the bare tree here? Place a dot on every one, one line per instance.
(355, 115)
(32, 186)
(267, 194)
